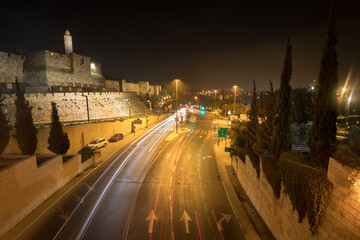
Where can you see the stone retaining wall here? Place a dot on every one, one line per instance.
(340, 221)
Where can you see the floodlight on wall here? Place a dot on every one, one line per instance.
(92, 66)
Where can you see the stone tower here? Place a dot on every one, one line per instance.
(68, 42)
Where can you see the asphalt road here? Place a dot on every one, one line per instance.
(160, 187)
(182, 196)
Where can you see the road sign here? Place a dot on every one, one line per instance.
(222, 132)
(229, 149)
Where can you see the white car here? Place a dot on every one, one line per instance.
(97, 143)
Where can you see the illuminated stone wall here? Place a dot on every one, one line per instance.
(340, 221)
(72, 106)
(11, 68)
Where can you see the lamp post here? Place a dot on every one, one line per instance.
(129, 106)
(176, 92)
(215, 97)
(87, 107)
(347, 115)
(234, 97)
(196, 100)
(150, 104)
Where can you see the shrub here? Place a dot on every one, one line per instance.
(299, 133)
(255, 161)
(308, 188)
(272, 172)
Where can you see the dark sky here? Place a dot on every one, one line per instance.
(207, 44)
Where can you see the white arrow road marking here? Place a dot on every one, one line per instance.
(185, 217)
(151, 218)
(79, 199)
(91, 188)
(224, 217)
(207, 157)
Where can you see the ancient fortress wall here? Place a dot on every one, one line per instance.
(72, 106)
(11, 68)
(340, 221)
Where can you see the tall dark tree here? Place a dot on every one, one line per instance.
(322, 133)
(262, 106)
(300, 115)
(266, 128)
(24, 125)
(4, 130)
(58, 141)
(281, 139)
(253, 125)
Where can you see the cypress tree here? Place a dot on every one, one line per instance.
(58, 141)
(24, 125)
(322, 133)
(4, 130)
(253, 125)
(300, 115)
(281, 142)
(263, 136)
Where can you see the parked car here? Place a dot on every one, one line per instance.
(116, 137)
(97, 143)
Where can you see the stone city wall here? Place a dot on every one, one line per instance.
(11, 68)
(72, 106)
(340, 221)
(24, 186)
(80, 135)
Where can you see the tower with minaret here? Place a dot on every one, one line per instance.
(68, 42)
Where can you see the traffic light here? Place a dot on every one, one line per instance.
(202, 112)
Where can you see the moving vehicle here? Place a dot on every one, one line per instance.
(116, 137)
(97, 143)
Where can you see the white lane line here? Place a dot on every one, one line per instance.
(158, 139)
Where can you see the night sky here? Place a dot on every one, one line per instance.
(207, 44)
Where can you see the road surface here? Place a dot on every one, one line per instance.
(161, 187)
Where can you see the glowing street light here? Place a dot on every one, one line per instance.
(234, 97)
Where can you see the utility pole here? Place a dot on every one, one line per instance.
(87, 107)
(347, 115)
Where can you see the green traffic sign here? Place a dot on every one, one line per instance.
(229, 149)
(222, 132)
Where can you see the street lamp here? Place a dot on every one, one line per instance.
(347, 115)
(129, 106)
(150, 104)
(234, 97)
(215, 96)
(87, 107)
(176, 92)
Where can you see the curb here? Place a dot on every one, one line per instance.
(240, 213)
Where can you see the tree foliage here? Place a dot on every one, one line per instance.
(58, 141)
(322, 134)
(280, 141)
(24, 125)
(4, 129)
(253, 125)
(266, 128)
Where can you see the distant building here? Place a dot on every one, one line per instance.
(47, 71)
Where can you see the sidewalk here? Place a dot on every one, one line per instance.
(250, 221)
(106, 153)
